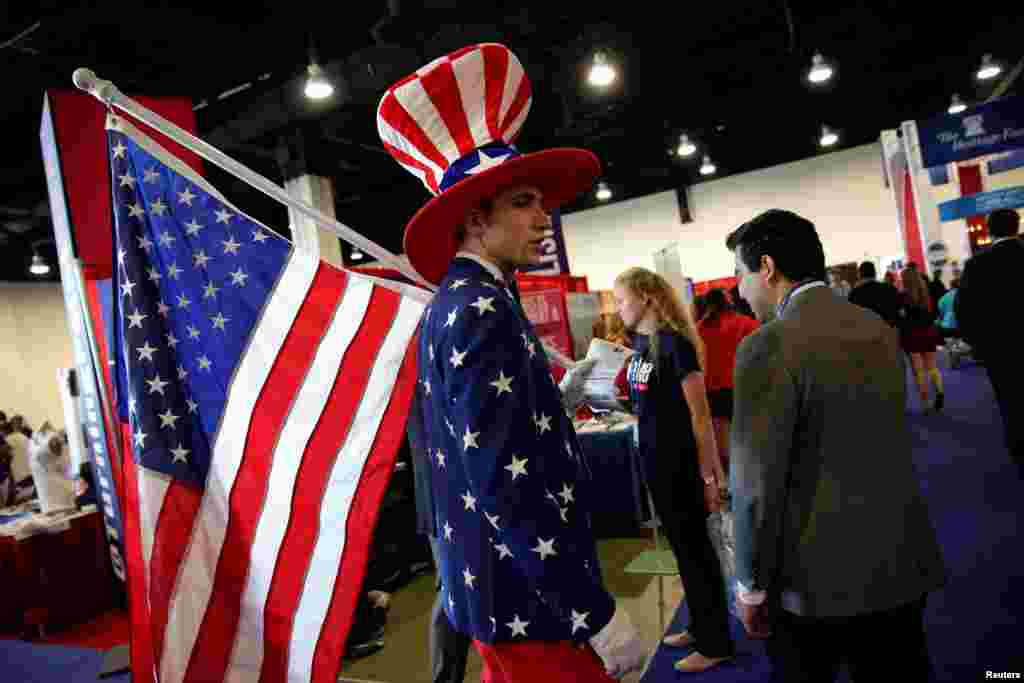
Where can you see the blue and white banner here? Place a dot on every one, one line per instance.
(1009, 162)
(90, 405)
(979, 131)
(981, 204)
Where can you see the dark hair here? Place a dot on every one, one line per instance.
(461, 232)
(1003, 223)
(867, 271)
(700, 307)
(715, 304)
(790, 240)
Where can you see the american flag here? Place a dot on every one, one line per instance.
(264, 394)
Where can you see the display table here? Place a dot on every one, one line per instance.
(619, 503)
(55, 569)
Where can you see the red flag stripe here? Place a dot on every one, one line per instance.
(212, 650)
(174, 525)
(440, 86)
(339, 495)
(362, 520)
(321, 452)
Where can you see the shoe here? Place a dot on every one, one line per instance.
(683, 639)
(940, 401)
(698, 663)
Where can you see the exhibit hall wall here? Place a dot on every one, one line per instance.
(843, 193)
(34, 345)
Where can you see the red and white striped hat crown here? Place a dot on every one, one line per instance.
(475, 97)
(452, 124)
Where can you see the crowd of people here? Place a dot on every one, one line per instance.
(36, 465)
(835, 552)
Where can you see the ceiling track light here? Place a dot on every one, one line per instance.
(988, 69)
(828, 137)
(601, 72)
(686, 147)
(820, 71)
(956, 105)
(707, 168)
(604, 193)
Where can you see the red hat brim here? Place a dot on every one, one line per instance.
(561, 174)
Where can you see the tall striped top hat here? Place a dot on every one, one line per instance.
(452, 125)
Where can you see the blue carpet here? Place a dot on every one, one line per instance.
(976, 497)
(23, 662)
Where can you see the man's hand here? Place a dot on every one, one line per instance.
(755, 619)
(619, 645)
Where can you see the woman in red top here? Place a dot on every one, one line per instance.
(722, 329)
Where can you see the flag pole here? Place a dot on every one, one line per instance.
(108, 93)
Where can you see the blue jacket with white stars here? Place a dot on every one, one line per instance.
(518, 557)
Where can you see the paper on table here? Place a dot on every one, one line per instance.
(599, 385)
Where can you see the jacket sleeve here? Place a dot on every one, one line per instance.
(766, 401)
(964, 307)
(507, 411)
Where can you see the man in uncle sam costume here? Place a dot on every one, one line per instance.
(519, 568)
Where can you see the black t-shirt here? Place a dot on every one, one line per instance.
(655, 389)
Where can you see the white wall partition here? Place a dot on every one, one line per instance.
(843, 193)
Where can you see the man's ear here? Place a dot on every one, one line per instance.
(768, 268)
(475, 223)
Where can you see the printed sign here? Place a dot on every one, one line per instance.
(986, 129)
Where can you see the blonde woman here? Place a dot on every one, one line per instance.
(678, 455)
(920, 339)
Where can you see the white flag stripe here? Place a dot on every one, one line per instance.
(341, 489)
(152, 490)
(469, 72)
(195, 580)
(414, 98)
(273, 523)
(513, 75)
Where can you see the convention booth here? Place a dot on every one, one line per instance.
(947, 173)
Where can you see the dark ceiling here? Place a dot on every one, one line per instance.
(727, 73)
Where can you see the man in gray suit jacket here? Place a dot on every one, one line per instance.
(835, 552)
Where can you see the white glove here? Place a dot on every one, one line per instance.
(571, 385)
(619, 645)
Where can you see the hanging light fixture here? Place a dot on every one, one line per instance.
(956, 105)
(988, 69)
(604, 193)
(601, 72)
(828, 137)
(39, 265)
(356, 255)
(317, 85)
(686, 147)
(707, 168)
(820, 70)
